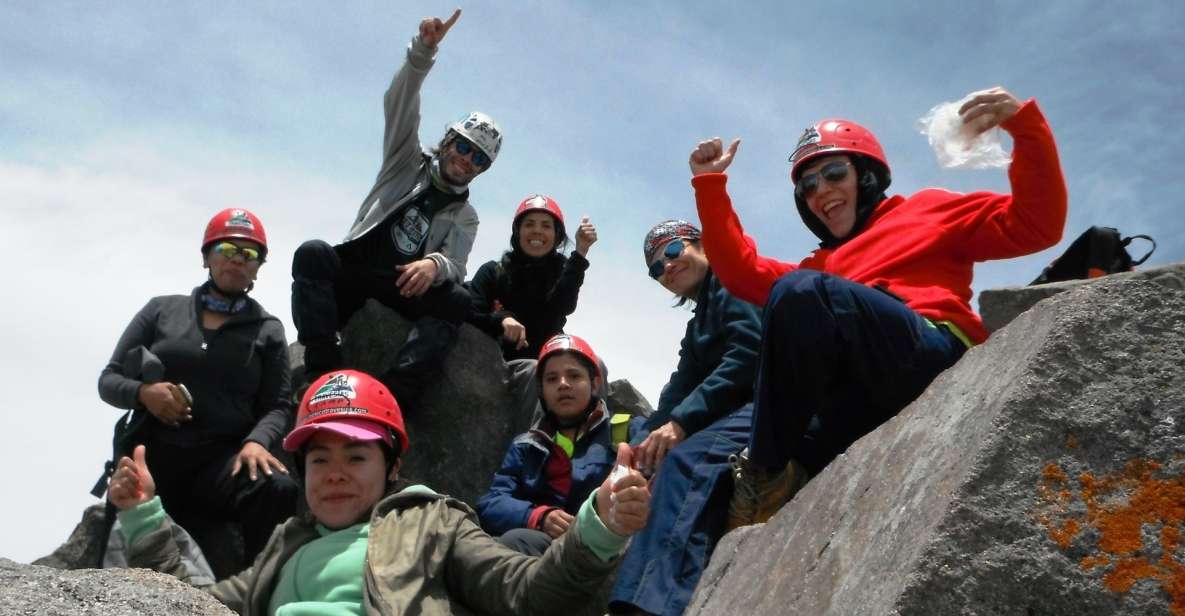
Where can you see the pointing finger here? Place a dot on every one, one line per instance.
(451, 20)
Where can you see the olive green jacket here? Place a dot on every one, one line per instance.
(426, 555)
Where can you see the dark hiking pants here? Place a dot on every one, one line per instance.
(837, 360)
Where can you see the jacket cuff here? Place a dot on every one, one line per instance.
(578, 261)
(535, 519)
(1024, 117)
(604, 543)
(709, 181)
(141, 519)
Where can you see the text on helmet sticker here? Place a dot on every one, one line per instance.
(337, 388)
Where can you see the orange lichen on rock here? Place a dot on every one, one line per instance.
(1127, 572)
(1071, 442)
(1119, 506)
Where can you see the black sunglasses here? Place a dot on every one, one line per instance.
(834, 171)
(466, 148)
(672, 251)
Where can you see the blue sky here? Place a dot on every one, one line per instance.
(123, 128)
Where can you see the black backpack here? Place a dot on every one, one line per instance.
(1097, 252)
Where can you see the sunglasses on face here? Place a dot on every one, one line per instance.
(229, 251)
(465, 147)
(834, 171)
(672, 251)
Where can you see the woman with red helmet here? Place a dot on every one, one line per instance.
(366, 546)
(859, 328)
(551, 469)
(206, 375)
(525, 298)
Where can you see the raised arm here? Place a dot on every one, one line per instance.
(1033, 217)
(401, 103)
(733, 254)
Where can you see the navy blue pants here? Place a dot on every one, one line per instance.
(688, 511)
(837, 360)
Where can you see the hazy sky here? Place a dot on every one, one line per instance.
(124, 128)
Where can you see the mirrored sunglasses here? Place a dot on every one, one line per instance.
(672, 251)
(229, 251)
(466, 148)
(834, 171)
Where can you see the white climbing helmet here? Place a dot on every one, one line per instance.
(482, 131)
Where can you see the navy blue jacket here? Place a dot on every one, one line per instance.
(717, 362)
(521, 484)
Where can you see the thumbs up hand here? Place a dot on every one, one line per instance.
(623, 500)
(131, 484)
(586, 236)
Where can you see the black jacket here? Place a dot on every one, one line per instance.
(539, 293)
(238, 374)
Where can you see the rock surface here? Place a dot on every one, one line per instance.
(31, 589)
(999, 306)
(84, 548)
(1041, 475)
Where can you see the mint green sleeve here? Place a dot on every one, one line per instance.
(142, 519)
(603, 542)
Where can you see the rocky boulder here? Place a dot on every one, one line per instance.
(31, 589)
(999, 306)
(1041, 475)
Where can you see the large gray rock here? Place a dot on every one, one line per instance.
(1041, 475)
(461, 426)
(83, 549)
(31, 589)
(999, 306)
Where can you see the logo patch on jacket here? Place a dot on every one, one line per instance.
(410, 232)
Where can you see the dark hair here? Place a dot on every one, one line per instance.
(684, 301)
(561, 237)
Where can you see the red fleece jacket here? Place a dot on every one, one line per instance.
(922, 247)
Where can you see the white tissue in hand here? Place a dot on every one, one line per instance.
(619, 472)
(957, 144)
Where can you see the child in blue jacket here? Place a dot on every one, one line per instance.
(553, 467)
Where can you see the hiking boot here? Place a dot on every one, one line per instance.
(757, 492)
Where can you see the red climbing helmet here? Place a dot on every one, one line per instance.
(536, 203)
(235, 223)
(835, 136)
(352, 404)
(560, 343)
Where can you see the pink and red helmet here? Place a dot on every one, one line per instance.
(235, 223)
(352, 404)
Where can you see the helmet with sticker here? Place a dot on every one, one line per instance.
(235, 223)
(352, 404)
(480, 129)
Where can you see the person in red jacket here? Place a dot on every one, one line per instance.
(858, 329)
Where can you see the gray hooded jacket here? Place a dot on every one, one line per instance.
(404, 174)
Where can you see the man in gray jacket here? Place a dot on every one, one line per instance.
(410, 240)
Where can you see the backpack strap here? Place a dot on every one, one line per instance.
(1128, 240)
